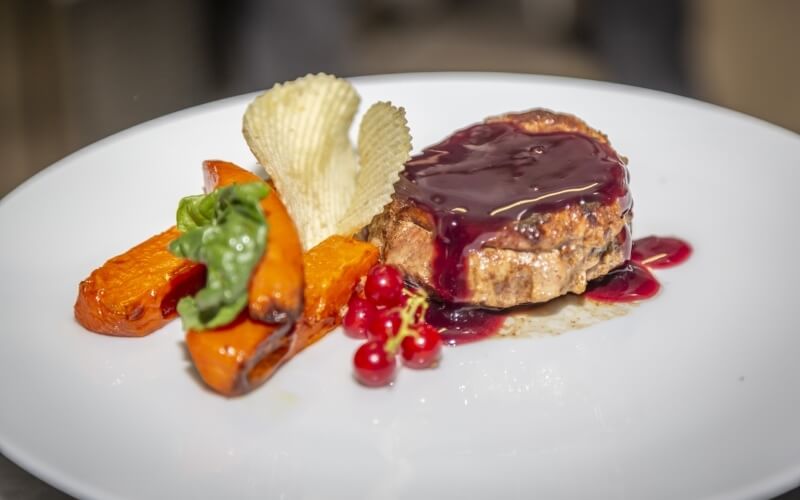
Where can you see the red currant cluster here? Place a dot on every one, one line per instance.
(390, 317)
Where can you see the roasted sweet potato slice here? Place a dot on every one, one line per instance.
(276, 288)
(135, 293)
(332, 269)
(236, 358)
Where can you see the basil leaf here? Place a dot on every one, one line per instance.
(196, 211)
(227, 231)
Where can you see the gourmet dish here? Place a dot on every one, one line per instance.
(409, 253)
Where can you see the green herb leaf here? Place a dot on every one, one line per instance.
(196, 211)
(225, 230)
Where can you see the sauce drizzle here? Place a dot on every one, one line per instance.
(659, 252)
(483, 178)
(630, 282)
(459, 325)
(486, 177)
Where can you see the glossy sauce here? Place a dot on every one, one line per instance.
(461, 324)
(633, 281)
(485, 177)
(630, 282)
(659, 252)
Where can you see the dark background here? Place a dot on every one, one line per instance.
(74, 71)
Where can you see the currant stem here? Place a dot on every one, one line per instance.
(417, 303)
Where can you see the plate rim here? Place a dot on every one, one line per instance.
(396, 78)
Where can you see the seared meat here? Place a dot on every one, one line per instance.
(544, 255)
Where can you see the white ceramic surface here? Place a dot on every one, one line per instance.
(692, 395)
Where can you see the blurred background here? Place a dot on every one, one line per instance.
(74, 71)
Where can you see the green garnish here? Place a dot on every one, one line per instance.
(225, 230)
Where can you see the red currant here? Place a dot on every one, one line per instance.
(360, 313)
(384, 286)
(386, 323)
(422, 350)
(373, 366)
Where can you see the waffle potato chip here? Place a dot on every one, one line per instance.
(384, 145)
(299, 132)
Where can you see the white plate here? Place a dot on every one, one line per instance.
(692, 395)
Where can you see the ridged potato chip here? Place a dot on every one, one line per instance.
(384, 145)
(298, 131)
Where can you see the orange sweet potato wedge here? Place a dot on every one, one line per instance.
(276, 288)
(236, 358)
(135, 293)
(332, 269)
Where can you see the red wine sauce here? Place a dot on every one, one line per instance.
(630, 282)
(488, 176)
(660, 251)
(462, 324)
